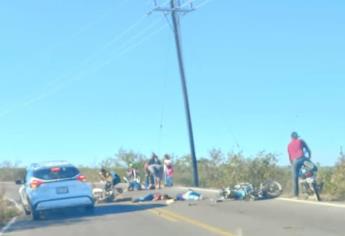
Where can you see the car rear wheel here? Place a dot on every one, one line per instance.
(26, 207)
(26, 211)
(90, 209)
(35, 215)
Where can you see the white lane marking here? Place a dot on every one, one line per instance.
(239, 232)
(13, 220)
(7, 226)
(329, 204)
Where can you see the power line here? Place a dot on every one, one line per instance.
(203, 3)
(59, 81)
(54, 86)
(98, 20)
(78, 75)
(86, 27)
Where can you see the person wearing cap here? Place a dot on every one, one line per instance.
(105, 175)
(109, 177)
(298, 152)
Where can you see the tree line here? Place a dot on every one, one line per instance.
(216, 170)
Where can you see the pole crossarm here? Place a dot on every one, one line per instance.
(169, 10)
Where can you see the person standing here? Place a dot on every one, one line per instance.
(166, 163)
(131, 173)
(156, 169)
(298, 152)
(149, 179)
(169, 175)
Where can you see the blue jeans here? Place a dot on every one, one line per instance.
(169, 181)
(149, 181)
(165, 178)
(296, 168)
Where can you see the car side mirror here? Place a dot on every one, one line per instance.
(19, 182)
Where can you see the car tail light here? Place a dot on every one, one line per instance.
(36, 183)
(81, 178)
(55, 169)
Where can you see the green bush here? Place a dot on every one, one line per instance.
(337, 179)
(215, 171)
(183, 174)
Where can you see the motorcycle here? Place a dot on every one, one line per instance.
(308, 180)
(106, 194)
(246, 191)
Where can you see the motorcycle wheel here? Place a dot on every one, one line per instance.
(110, 198)
(272, 189)
(316, 191)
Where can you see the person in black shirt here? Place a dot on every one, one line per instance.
(156, 169)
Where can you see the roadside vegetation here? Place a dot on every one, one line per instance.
(215, 171)
(7, 209)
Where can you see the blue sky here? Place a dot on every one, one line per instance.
(81, 79)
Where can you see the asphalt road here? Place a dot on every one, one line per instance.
(231, 218)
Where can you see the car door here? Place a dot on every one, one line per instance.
(23, 192)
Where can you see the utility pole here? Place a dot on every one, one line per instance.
(175, 10)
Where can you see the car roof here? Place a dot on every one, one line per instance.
(49, 164)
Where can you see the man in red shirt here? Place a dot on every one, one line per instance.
(298, 152)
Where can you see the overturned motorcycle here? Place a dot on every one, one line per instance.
(106, 194)
(246, 191)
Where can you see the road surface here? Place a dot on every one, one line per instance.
(231, 218)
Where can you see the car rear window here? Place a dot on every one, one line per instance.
(55, 173)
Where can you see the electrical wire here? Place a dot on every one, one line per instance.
(125, 49)
(58, 82)
(80, 74)
(203, 3)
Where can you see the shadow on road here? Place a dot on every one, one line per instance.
(76, 216)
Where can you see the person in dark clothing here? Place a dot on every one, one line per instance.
(156, 169)
(149, 179)
(110, 178)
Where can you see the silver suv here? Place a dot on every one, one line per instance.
(54, 185)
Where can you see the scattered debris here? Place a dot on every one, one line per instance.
(170, 201)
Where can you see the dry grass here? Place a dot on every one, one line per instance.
(7, 209)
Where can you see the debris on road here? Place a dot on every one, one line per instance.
(170, 201)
